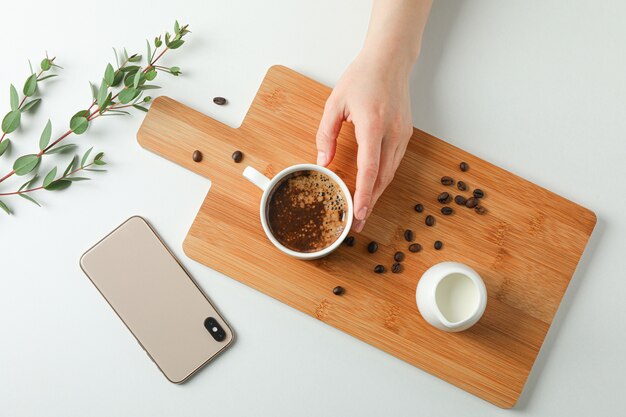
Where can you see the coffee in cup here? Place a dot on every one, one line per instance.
(307, 211)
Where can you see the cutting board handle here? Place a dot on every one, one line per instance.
(176, 132)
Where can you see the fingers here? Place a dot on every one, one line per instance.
(392, 152)
(327, 133)
(387, 170)
(368, 163)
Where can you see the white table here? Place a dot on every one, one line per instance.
(537, 87)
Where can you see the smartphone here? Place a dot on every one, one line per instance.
(159, 302)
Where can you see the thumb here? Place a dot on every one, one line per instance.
(327, 133)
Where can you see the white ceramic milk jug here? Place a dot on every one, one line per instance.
(451, 296)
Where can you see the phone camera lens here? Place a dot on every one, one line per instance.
(215, 329)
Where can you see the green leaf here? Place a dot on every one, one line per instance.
(45, 136)
(130, 78)
(11, 121)
(58, 185)
(119, 77)
(83, 161)
(102, 94)
(106, 103)
(158, 42)
(15, 100)
(121, 112)
(117, 61)
(125, 55)
(175, 71)
(94, 91)
(62, 149)
(95, 170)
(25, 164)
(50, 177)
(149, 87)
(151, 74)
(31, 105)
(116, 113)
(109, 75)
(167, 39)
(79, 122)
(134, 58)
(77, 178)
(98, 156)
(71, 166)
(4, 145)
(4, 207)
(130, 68)
(29, 182)
(46, 64)
(176, 44)
(24, 185)
(149, 50)
(48, 76)
(137, 79)
(176, 28)
(127, 95)
(30, 86)
(99, 162)
(29, 198)
(138, 107)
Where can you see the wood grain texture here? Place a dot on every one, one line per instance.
(526, 247)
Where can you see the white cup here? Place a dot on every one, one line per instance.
(451, 296)
(267, 185)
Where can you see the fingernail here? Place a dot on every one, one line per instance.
(321, 158)
(362, 213)
(358, 226)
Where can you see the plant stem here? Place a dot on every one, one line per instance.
(30, 190)
(24, 100)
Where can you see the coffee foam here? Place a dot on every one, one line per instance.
(307, 211)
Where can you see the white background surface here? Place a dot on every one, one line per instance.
(537, 87)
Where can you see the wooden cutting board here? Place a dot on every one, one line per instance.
(526, 247)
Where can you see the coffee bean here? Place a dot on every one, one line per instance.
(444, 198)
(419, 208)
(415, 247)
(463, 166)
(396, 267)
(349, 241)
(338, 290)
(478, 193)
(460, 200)
(461, 186)
(438, 244)
(196, 156)
(237, 156)
(480, 209)
(430, 220)
(398, 256)
(446, 211)
(379, 269)
(471, 202)
(372, 247)
(408, 235)
(220, 101)
(447, 180)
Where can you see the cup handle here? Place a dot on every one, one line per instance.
(256, 178)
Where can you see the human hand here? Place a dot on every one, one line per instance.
(373, 94)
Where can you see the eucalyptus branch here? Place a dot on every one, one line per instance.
(50, 183)
(131, 82)
(12, 119)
